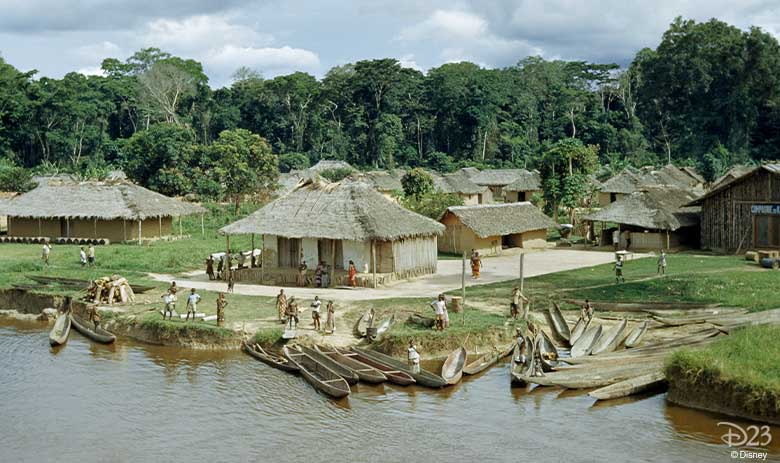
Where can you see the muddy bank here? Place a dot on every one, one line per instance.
(188, 335)
(710, 393)
(28, 302)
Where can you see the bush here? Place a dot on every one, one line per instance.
(432, 205)
(14, 178)
(417, 183)
(293, 161)
(336, 175)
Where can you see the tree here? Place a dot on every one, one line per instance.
(14, 178)
(161, 158)
(336, 174)
(566, 169)
(162, 89)
(417, 183)
(293, 161)
(244, 164)
(432, 204)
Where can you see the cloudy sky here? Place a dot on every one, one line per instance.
(281, 36)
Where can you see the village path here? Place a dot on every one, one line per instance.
(448, 277)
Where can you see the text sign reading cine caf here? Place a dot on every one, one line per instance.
(765, 209)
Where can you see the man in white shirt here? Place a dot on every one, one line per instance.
(413, 357)
(170, 304)
(83, 256)
(315, 312)
(192, 304)
(45, 253)
(440, 308)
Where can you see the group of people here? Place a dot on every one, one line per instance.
(442, 315)
(87, 257)
(323, 274)
(170, 299)
(288, 312)
(224, 265)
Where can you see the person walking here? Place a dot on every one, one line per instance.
(476, 264)
(83, 256)
(192, 304)
(45, 253)
(352, 274)
(292, 313)
(231, 281)
(91, 255)
(413, 357)
(662, 263)
(619, 270)
(315, 313)
(330, 321)
(587, 311)
(318, 275)
(281, 305)
(221, 304)
(94, 316)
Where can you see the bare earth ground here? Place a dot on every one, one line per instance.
(448, 277)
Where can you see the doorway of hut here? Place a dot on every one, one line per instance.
(328, 249)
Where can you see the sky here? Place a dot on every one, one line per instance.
(278, 37)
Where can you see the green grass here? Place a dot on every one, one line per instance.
(269, 336)
(166, 329)
(748, 358)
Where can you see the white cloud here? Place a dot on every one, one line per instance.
(270, 61)
(446, 25)
(91, 71)
(98, 50)
(408, 61)
(202, 32)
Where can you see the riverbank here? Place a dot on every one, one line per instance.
(737, 376)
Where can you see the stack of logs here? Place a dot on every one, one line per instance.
(110, 290)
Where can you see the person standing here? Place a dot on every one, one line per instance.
(326, 276)
(628, 240)
(302, 273)
(94, 317)
(352, 274)
(315, 313)
(45, 253)
(210, 267)
(220, 267)
(476, 264)
(615, 239)
(518, 303)
(587, 311)
(91, 255)
(83, 256)
(292, 312)
(413, 357)
(230, 281)
(330, 321)
(439, 308)
(221, 304)
(192, 304)
(662, 263)
(318, 275)
(619, 270)
(170, 304)
(281, 305)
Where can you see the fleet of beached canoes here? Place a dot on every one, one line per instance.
(62, 325)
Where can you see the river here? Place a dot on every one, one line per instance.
(131, 402)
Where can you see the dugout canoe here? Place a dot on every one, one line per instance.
(274, 361)
(578, 329)
(630, 386)
(361, 325)
(366, 373)
(585, 343)
(487, 360)
(547, 351)
(393, 375)
(88, 330)
(635, 336)
(59, 333)
(522, 360)
(318, 375)
(610, 339)
(452, 370)
(347, 373)
(423, 377)
(560, 329)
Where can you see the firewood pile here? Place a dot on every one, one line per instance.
(110, 290)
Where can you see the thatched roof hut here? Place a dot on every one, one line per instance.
(490, 228)
(329, 164)
(339, 222)
(384, 181)
(526, 181)
(460, 184)
(62, 207)
(497, 177)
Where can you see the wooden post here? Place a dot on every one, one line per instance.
(262, 258)
(181, 230)
(140, 235)
(227, 257)
(252, 255)
(202, 226)
(94, 227)
(67, 228)
(522, 276)
(463, 288)
(40, 233)
(159, 221)
(667, 240)
(124, 229)
(332, 275)
(373, 259)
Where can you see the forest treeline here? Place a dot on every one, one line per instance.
(708, 95)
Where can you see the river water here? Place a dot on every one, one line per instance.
(131, 402)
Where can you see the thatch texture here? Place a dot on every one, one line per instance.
(501, 219)
(345, 210)
(626, 182)
(384, 181)
(327, 164)
(67, 199)
(497, 177)
(527, 181)
(457, 182)
(630, 180)
(654, 209)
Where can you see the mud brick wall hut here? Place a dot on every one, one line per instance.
(335, 223)
(527, 184)
(460, 184)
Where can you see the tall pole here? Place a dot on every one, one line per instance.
(262, 259)
(202, 226)
(373, 259)
(463, 289)
(522, 277)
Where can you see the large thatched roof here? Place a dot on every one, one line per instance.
(457, 182)
(384, 181)
(327, 164)
(501, 219)
(653, 208)
(739, 174)
(626, 182)
(106, 200)
(345, 210)
(496, 177)
(527, 181)
(630, 180)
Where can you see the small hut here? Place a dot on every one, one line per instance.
(527, 184)
(336, 223)
(618, 186)
(496, 180)
(655, 218)
(63, 208)
(491, 228)
(742, 213)
(387, 183)
(459, 183)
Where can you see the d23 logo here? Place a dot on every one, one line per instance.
(750, 436)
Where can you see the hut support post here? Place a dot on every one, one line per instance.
(463, 288)
(124, 229)
(252, 256)
(333, 258)
(262, 258)
(181, 230)
(227, 256)
(140, 236)
(39, 227)
(67, 228)
(667, 240)
(94, 227)
(202, 226)
(373, 259)
(159, 222)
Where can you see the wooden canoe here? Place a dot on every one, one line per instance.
(707, 318)
(635, 336)
(393, 375)
(275, 361)
(630, 386)
(610, 340)
(423, 377)
(318, 375)
(452, 370)
(483, 362)
(365, 372)
(548, 354)
(560, 329)
(420, 320)
(506, 350)
(522, 360)
(598, 377)
(349, 376)
(578, 329)
(361, 325)
(88, 330)
(59, 333)
(585, 343)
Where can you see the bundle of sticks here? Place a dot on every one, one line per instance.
(110, 290)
